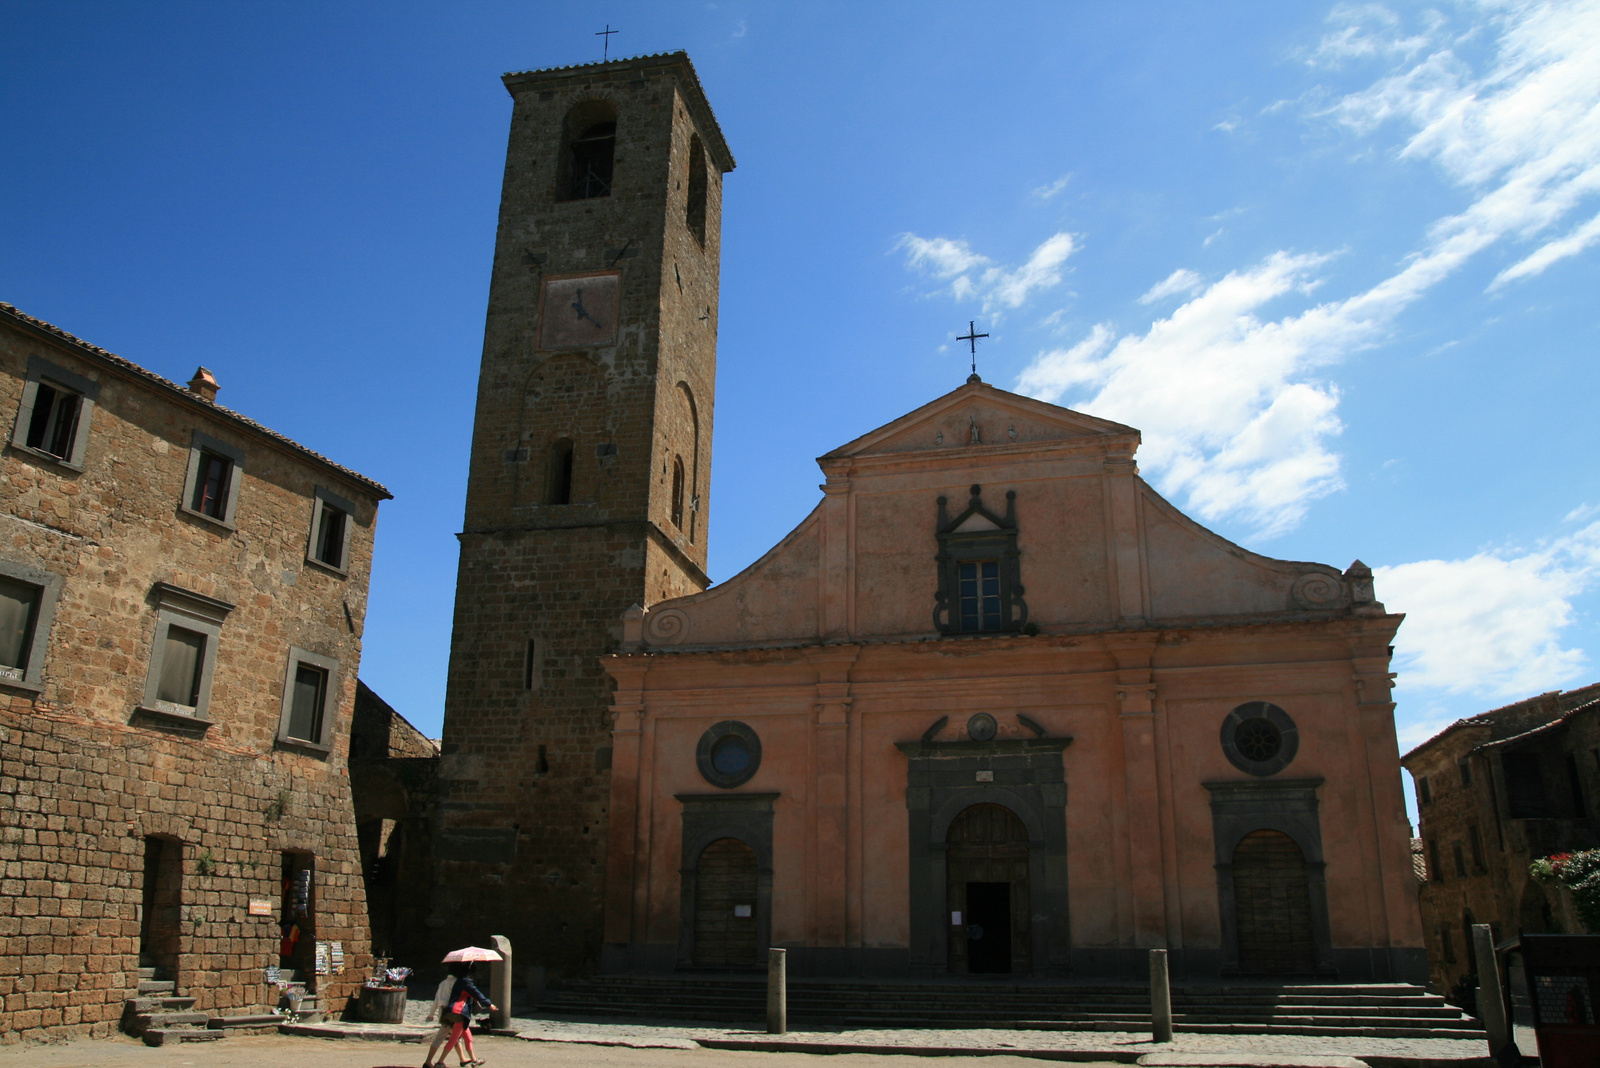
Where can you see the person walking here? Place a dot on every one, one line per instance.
(439, 1010)
(464, 998)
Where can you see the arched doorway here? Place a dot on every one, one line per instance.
(725, 905)
(1272, 905)
(987, 883)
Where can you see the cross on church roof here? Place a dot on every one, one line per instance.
(605, 52)
(971, 337)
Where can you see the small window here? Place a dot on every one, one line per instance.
(330, 530)
(183, 654)
(211, 489)
(1433, 861)
(1464, 766)
(1448, 942)
(309, 687)
(677, 492)
(1476, 841)
(27, 608)
(53, 418)
(980, 595)
(1424, 794)
(592, 153)
(695, 207)
(558, 481)
(1461, 860)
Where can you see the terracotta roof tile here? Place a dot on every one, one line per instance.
(95, 352)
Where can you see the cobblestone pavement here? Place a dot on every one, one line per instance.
(272, 1051)
(1126, 1044)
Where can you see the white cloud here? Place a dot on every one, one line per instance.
(1491, 624)
(1550, 252)
(1182, 280)
(1235, 421)
(1045, 192)
(973, 275)
(1369, 31)
(1231, 419)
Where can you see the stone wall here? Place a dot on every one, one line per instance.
(86, 775)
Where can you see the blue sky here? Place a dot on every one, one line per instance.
(1339, 263)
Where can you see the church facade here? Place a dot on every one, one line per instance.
(995, 706)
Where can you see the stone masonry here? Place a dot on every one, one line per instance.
(93, 771)
(545, 575)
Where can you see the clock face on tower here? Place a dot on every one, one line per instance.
(580, 311)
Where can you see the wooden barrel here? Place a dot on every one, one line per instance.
(383, 1004)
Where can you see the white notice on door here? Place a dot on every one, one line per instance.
(955, 919)
(741, 912)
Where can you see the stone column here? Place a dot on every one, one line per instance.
(627, 710)
(1491, 1001)
(500, 973)
(777, 992)
(830, 869)
(1136, 694)
(1160, 998)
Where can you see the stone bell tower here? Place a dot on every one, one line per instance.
(589, 483)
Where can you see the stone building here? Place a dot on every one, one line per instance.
(995, 706)
(1495, 792)
(589, 483)
(182, 593)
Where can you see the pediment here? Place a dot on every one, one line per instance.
(978, 415)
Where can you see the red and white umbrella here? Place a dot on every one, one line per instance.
(470, 953)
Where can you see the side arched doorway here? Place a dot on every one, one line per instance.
(1272, 905)
(986, 866)
(725, 890)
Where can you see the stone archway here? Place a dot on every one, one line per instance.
(1272, 905)
(725, 933)
(986, 872)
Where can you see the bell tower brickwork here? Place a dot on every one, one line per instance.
(589, 483)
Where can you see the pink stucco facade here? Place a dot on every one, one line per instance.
(1110, 694)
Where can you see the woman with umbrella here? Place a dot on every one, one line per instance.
(464, 996)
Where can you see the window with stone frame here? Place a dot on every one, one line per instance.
(695, 202)
(331, 517)
(183, 653)
(211, 486)
(677, 492)
(1424, 793)
(28, 598)
(587, 158)
(310, 692)
(558, 474)
(54, 414)
(979, 569)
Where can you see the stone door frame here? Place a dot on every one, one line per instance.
(706, 818)
(1288, 806)
(1028, 778)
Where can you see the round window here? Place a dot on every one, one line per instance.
(1260, 738)
(729, 754)
(1257, 739)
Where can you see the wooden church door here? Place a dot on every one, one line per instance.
(986, 868)
(1272, 905)
(725, 906)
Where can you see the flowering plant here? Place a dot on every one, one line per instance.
(1580, 873)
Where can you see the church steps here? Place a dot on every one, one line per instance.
(1374, 1010)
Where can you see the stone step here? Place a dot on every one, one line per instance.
(226, 1024)
(161, 1037)
(145, 1021)
(147, 972)
(158, 1004)
(157, 986)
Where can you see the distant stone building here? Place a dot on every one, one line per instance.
(997, 707)
(589, 486)
(182, 593)
(1495, 792)
(394, 783)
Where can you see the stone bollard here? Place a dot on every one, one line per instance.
(777, 992)
(1160, 998)
(500, 982)
(1491, 1001)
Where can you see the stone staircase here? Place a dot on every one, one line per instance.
(160, 1015)
(305, 1007)
(1373, 1010)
